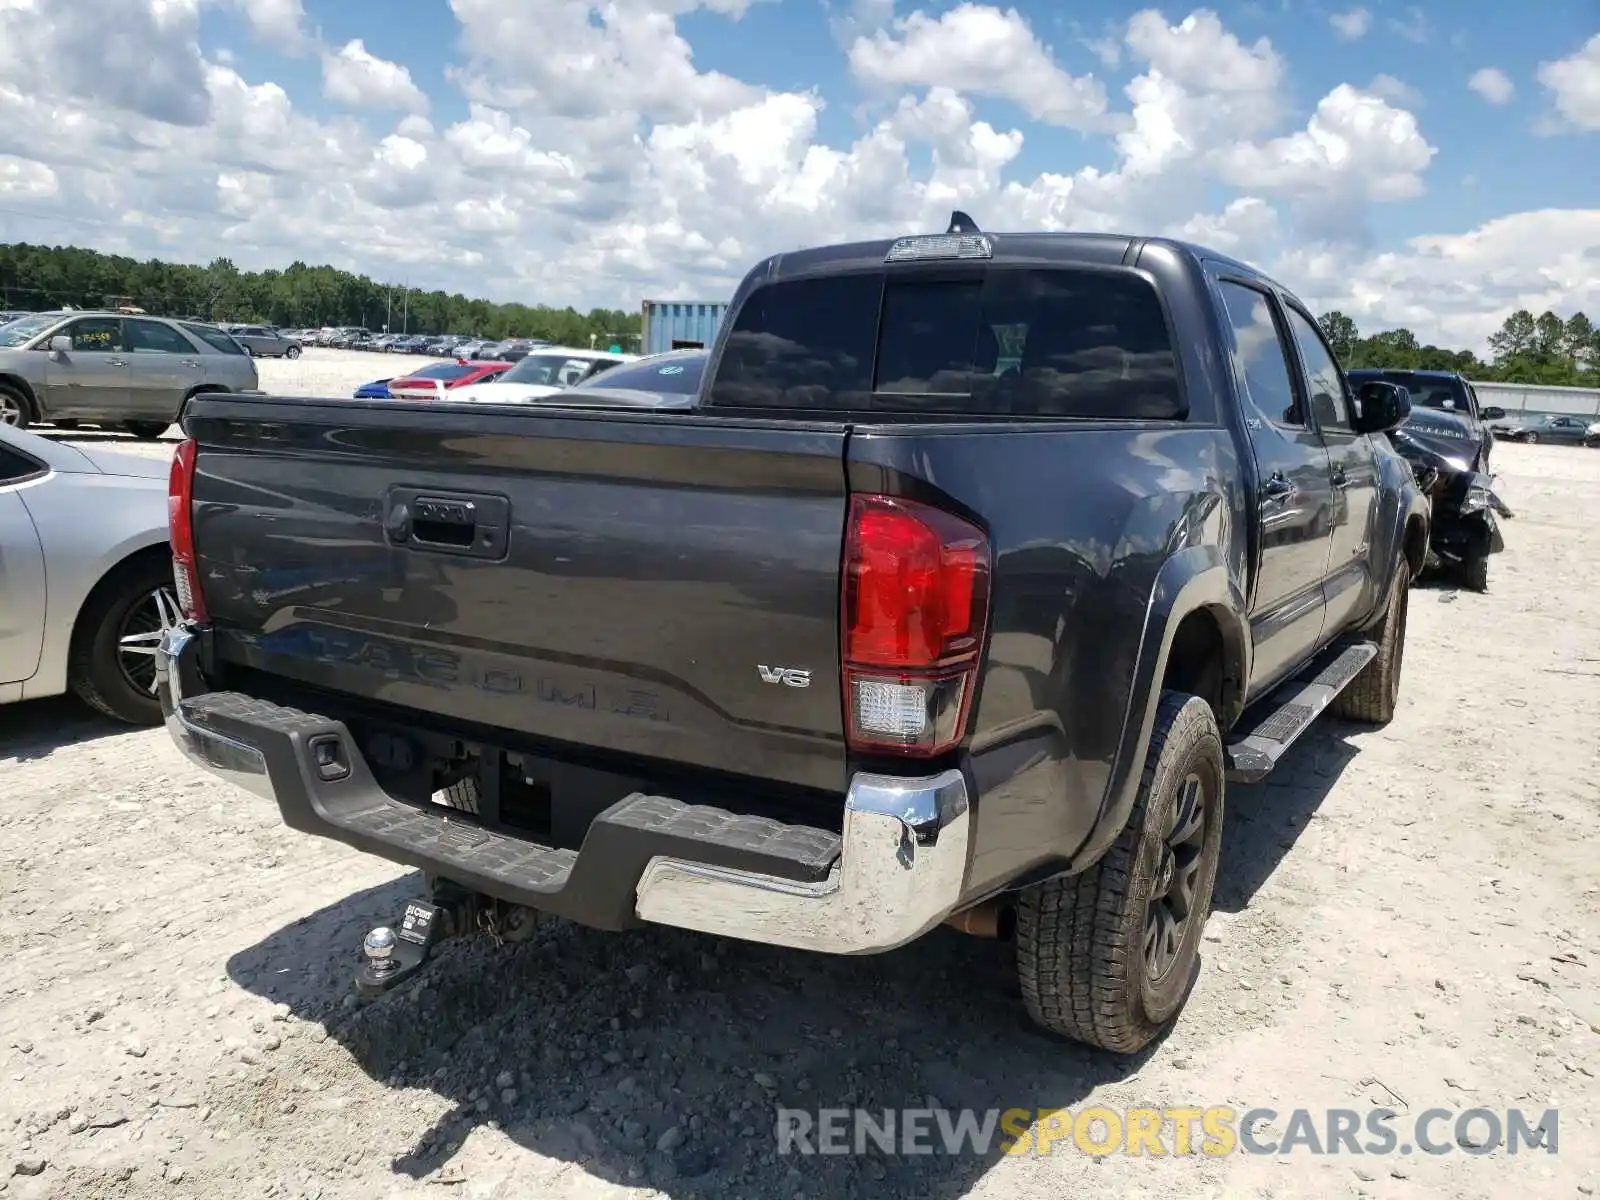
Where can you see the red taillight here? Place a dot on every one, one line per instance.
(180, 532)
(916, 603)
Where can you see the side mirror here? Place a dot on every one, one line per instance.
(1493, 413)
(1384, 406)
(60, 344)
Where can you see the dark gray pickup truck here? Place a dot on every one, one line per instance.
(980, 565)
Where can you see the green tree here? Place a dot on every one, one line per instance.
(49, 277)
(1341, 333)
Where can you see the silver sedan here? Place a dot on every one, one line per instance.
(92, 525)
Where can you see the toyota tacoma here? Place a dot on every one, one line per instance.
(980, 565)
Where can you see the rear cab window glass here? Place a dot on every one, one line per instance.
(956, 340)
(216, 339)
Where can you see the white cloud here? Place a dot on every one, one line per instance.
(1574, 84)
(609, 165)
(358, 78)
(982, 50)
(22, 178)
(1351, 24)
(1457, 289)
(1395, 91)
(1412, 26)
(1493, 84)
(280, 24)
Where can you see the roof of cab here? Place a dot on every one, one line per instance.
(1043, 247)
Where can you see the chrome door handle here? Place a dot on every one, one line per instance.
(1341, 480)
(116, 362)
(190, 362)
(1277, 486)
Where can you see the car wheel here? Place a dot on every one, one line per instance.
(147, 431)
(1107, 957)
(1531, 438)
(1371, 696)
(1475, 573)
(292, 352)
(14, 408)
(113, 662)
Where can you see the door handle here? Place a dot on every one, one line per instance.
(189, 362)
(116, 362)
(1340, 479)
(1277, 486)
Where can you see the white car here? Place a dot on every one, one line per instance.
(86, 583)
(548, 370)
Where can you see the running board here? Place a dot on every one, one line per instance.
(1275, 722)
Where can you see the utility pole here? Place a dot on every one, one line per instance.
(388, 305)
(405, 308)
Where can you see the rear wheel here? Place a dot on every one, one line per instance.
(146, 430)
(1107, 957)
(14, 408)
(1531, 438)
(1371, 696)
(1475, 573)
(292, 352)
(113, 663)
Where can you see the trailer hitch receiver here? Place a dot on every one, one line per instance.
(391, 956)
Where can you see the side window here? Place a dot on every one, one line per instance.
(216, 339)
(1261, 355)
(152, 337)
(15, 467)
(96, 334)
(1322, 374)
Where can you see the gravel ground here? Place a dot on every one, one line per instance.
(1407, 917)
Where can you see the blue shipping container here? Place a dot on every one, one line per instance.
(680, 324)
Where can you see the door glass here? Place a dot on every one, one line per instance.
(96, 334)
(15, 466)
(1322, 373)
(152, 337)
(1261, 356)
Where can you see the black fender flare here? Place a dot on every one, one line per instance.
(1190, 579)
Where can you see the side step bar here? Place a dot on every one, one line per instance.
(1276, 720)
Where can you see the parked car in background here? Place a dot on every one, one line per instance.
(437, 379)
(1570, 430)
(1591, 435)
(518, 348)
(106, 369)
(378, 389)
(669, 381)
(86, 585)
(1444, 407)
(472, 348)
(266, 342)
(542, 373)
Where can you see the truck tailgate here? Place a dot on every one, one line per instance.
(606, 581)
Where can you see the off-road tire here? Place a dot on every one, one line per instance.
(1371, 696)
(147, 431)
(17, 402)
(1475, 573)
(1080, 938)
(93, 667)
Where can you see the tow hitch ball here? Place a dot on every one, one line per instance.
(391, 956)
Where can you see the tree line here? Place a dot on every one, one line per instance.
(1546, 349)
(41, 278)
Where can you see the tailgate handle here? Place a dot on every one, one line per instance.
(454, 524)
(439, 522)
